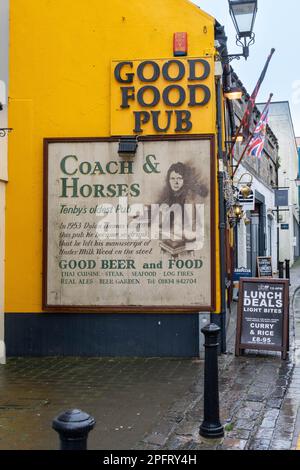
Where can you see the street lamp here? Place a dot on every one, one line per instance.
(243, 14)
(245, 189)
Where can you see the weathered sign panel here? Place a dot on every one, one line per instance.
(129, 233)
(262, 319)
(281, 197)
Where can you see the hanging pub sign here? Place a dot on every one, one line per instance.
(262, 317)
(281, 197)
(264, 266)
(247, 202)
(129, 233)
(169, 96)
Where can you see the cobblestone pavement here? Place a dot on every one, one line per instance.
(259, 398)
(157, 404)
(252, 390)
(126, 397)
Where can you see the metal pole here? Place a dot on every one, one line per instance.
(287, 269)
(211, 426)
(278, 234)
(73, 427)
(222, 216)
(280, 269)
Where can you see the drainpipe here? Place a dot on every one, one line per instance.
(222, 218)
(277, 214)
(223, 51)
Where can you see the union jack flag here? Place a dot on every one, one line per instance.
(257, 142)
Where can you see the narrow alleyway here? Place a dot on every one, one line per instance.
(259, 396)
(157, 404)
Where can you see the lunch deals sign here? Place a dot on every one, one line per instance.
(162, 96)
(129, 233)
(262, 320)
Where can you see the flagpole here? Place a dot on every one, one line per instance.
(251, 102)
(242, 156)
(234, 140)
(251, 135)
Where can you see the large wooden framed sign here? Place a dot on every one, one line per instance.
(129, 233)
(262, 317)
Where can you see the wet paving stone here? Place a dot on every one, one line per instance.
(239, 434)
(280, 445)
(255, 397)
(259, 444)
(255, 406)
(247, 413)
(233, 444)
(153, 403)
(272, 414)
(274, 403)
(268, 424)
(279, 392)
(264, 433)
(156, 438)
(244, 424)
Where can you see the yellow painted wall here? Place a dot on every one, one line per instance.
(3, 184)
(60, 73)
(201, 118)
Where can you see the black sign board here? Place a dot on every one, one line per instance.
(264, 266)
(262, 318)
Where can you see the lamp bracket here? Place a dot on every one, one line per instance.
(247, 40)
(245, 43)
(4, 131)
(226, 59)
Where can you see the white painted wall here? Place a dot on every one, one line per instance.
(268, 193)
(242, 253)
(4, 25)
(280, 121)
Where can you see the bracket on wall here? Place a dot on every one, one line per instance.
(5, 130)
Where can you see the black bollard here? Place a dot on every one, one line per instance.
(211, 426)
(287, 269)
(280, 269)
(73, 427)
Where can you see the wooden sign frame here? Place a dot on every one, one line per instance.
(92, 308)
(258, 270)
(239, 346)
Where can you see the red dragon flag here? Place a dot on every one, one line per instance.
(246, 121)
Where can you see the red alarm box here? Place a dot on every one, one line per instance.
(180, 47)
